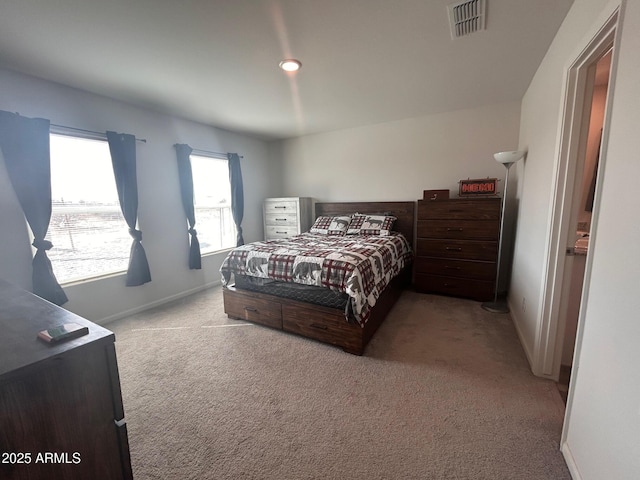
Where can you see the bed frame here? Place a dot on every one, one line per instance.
(323, 323)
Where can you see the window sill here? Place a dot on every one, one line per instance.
(83, 281)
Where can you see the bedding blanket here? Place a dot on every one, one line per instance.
(360, 266)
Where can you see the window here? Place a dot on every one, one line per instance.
(89, 234)
(212, 203)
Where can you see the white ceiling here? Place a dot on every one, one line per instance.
(216, 61)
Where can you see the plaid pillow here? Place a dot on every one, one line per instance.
(325, 225)
(356, 224)
(371, 224)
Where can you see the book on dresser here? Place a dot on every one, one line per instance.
(457, 247)
(286, 216)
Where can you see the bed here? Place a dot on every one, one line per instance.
(265, 285)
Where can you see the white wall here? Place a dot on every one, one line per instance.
(161, 217)
(603, 414)
(398, 160)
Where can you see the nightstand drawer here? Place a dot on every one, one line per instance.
(283, 206)
(460, 249)
(458, 287)
(455, 268)
(460, 229)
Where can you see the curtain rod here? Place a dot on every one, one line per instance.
(63, 129)
(198, 151)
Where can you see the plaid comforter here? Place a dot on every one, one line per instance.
(360, 266)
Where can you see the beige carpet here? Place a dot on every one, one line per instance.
(443, 392)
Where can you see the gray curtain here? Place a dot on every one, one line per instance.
(25, 147)
(185, 175)
(237, 194)
(123, 159)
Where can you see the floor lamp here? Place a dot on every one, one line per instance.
(507, 159)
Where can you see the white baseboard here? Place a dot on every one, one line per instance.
(571, 464)
(525, 345)
(157, 303)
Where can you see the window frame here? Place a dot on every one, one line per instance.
(232, 232)
(79, 134)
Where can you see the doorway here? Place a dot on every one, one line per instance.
(581, 216)
(578, 173)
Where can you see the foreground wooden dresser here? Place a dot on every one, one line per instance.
(61, 412)
(457, 247)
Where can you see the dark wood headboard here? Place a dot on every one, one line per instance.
(403, 211)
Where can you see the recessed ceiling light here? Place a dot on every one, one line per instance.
(290, 65)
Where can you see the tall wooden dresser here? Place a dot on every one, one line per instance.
(457, 247)
(286, 216)
(61, 412)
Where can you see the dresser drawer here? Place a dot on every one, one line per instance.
(479, 209)
(314, 324)
(456, 268)
(460, 287)
(283, 206)
(281, 219)
(280, 232)
(460, 229)
(460, 249)
(248, 306)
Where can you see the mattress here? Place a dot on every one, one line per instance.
(360, 266)
(294, 291)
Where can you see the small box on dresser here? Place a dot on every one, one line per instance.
(286, 216)
(457, 247)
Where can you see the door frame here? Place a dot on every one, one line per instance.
(571, 143)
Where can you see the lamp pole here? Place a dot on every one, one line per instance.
(507, 159)
(494, 306)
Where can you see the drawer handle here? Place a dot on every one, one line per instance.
(455, 249)
(451, 268)
(318, 326)
(251, 309)
(280, 232)
(454, 229)
(279, 206)
(281, 219)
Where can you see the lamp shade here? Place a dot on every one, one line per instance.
(509, 157)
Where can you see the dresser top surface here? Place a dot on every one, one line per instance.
(285, 199)
(460, 199)
(23, 315)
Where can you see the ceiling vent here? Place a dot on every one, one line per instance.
(466, 17)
